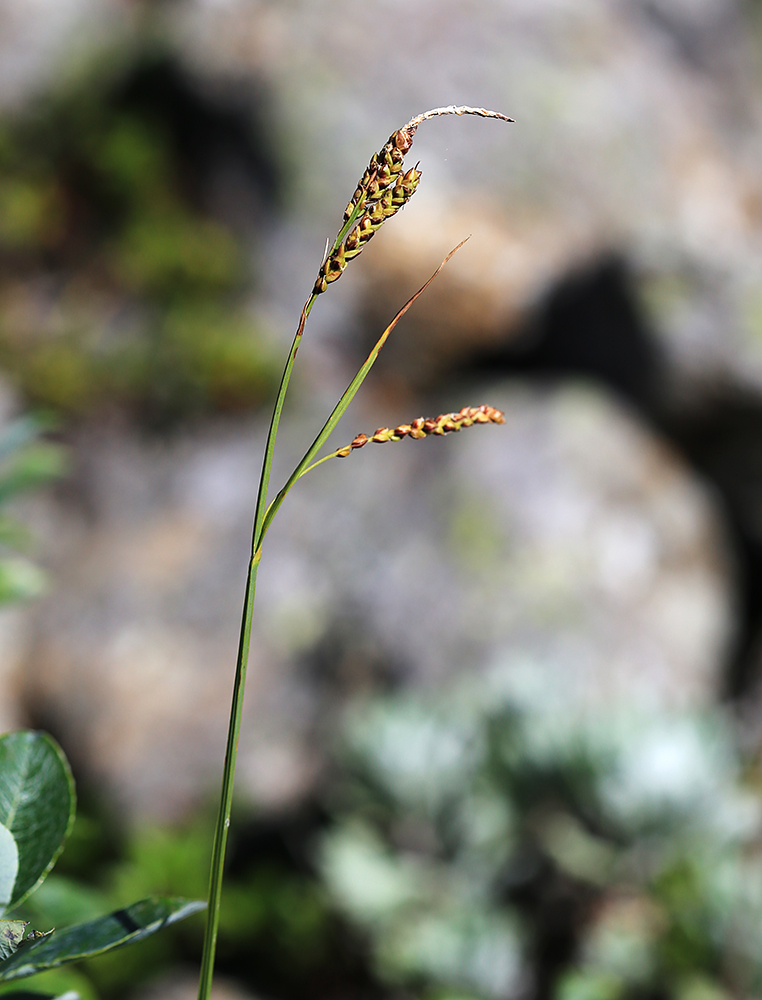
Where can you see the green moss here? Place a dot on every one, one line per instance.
(96, 207)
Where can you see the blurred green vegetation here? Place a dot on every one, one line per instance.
(493, 846)
(480, 845)
(278, 927)
(26, 463)
(120, 288)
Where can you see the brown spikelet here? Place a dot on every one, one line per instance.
(445, 423)
(383, 190)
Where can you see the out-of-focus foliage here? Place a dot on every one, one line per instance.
(485, 845)
(278, 929)
(119, 287)
(37, 809)
(493, 847)
(26, 462)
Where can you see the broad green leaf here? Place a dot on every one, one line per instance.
(11, 936)
(37, 804)
(9, 866)
(96, 936)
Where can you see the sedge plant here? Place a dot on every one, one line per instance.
(381, 192)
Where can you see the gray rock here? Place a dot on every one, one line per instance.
(639, 126)
(638, 129)
(569, 544)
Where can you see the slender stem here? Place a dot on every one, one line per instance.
(333, 454)
(264, 479)
(236, 706)
(226, 794)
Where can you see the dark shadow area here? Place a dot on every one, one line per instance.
(591, 326)
(559, 908)
(301, 945)
(723, 441)
(229, 165)
(143, 192)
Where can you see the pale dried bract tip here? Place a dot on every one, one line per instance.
(451, 109)
(403, 137)
(445, 423)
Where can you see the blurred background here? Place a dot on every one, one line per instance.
(503, 725)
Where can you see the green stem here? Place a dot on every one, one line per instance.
(264, 479)
(333, 454)
(226, 794)
(236, 706)
(263, 516)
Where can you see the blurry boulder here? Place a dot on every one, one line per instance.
(638, 128)
(574, 542)
(571, 543)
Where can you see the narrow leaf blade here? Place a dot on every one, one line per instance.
(96, 936)
(341, 406)
(37, 804)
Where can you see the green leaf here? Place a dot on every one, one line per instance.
(26, 995)
(66, 981)
(96, 936)
(11, 936)
(37, 804)
(9, 866)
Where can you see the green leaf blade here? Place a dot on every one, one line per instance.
(37, 804)
(27, 995)
(126, 926)
(11, 936)
(9, 866)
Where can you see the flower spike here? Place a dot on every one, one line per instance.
(381, 192)
(445, 423)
